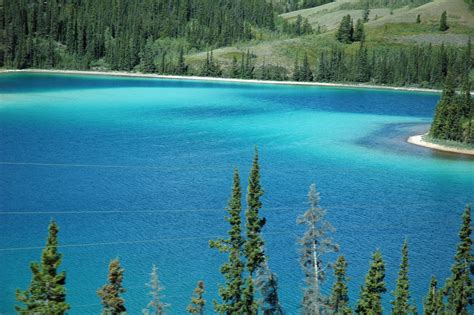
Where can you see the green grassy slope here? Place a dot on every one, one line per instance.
(385, 27)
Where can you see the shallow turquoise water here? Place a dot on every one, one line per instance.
(141, 169)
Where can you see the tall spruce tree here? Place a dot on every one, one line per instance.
(266, 283)
(254, 244)
(197, 301)
(339, 301)
(459, 287)
(433, 304)
(401, 303)
(110, 293)
(232, 270)
(314, 244)
(345, 33)
(370, 301)
(443, 22)
(47, 292)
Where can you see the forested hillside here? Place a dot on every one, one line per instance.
(73, 33)
(392, 42)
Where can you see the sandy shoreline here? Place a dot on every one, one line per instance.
(418, 140)
(177, 77)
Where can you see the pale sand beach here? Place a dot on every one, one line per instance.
(177, 77)
(418, 140)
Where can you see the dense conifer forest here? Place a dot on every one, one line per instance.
(248, 284)
(156, 36)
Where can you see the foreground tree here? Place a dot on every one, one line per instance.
(232, 270)
(459, 288)
(314, 244)
(197, 301)
(267, 283)
(433, 304)
(113, 303)
(47, 292)
(401, 304)
(370, 301)
(253, 248)
(339, 301)
(155, 306)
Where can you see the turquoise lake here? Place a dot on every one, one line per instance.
(141, 169)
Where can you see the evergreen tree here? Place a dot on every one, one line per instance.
(234, 69)
(459, 287)
(182, 67)
(156, 305)
(370, 301)
(345, 33)
(314, 244)
(339, 301)
(443, 22)
(418, 19)
(267, 283)
(305, 73)
(47, 293)
(253, 247)
(359, 34)
(197, 301)
(147, 58)
(232, 270)
(297, 71)
(110, 293)
(401, 304)
(365, 14)
(433, 304)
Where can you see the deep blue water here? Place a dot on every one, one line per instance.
(141, 169)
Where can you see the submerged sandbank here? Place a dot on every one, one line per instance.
(178, 77)
(419, 140)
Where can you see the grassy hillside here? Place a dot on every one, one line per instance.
(393, 27)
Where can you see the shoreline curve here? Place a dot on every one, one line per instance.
(418, 140)
(215, 79)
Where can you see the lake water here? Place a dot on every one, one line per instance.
(141, 169)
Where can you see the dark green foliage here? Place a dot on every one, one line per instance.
(313, 3)
(370, 301)
(345, 33)
(197, 301)
(232, 270)
(305, 73)
(314, 244)
(117, 30)
(443, 22)
(210, 67)
(454, 115)
(362, 65)
(359, 34)
(401, 303)
(339, 301)
(267, 284)
(365, 14)
(418, 19)
(459, 287)
(433, 304)
(254, 245)
(47, 293)
(300, 27)
(110, 293)
(271, 72)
